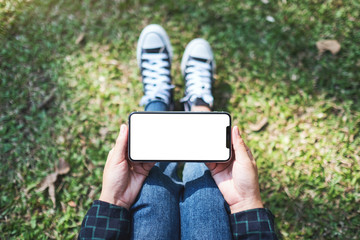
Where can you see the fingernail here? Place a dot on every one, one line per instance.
(122, 129)
(237, 130)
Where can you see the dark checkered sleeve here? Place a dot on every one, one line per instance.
(254, 224)
(105, 221)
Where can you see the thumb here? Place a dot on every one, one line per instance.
(119, 151)
(211, 166)
(239, 146)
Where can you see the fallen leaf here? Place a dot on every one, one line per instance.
(90, 166)
(80, 38)
(63, 167)
(103, 132)
(83, 151)
(328, 45)
(60, 140)
(49, 98)
(113, 62)
(52, 194)
(72, 204)
(20, 176)
(92, 193)
(259, 125)
(48, 180)
(63, 207)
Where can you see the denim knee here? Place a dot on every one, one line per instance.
(156, 211)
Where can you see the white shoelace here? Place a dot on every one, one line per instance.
(156, 77)
(198, 82)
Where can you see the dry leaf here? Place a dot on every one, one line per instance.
(113, 62)
(259, 125)
(52, 194)
(328, 45)
(20, 176)
(72, 204)
(103, 132)
(80, 38)
(92, 193)
(63, 167)
(49, 98)
(48, 182)
(90, 166)
(60, 140)
(63, 206)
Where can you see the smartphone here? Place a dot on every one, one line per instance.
(179, 136)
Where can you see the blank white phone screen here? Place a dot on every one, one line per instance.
(178, 136)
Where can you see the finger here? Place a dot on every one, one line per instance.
(148, 166)
(119, 150)
(142, 168)
(211, 166)
(239, 146)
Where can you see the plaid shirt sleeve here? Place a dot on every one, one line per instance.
(105, 221)
(253, 224)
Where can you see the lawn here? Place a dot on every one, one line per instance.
(68, 78)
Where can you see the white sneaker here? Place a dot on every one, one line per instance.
(198, 68)
(154, 55)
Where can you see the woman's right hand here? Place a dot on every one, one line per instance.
(237, 179)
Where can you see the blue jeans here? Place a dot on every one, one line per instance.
(168, 208)
(156, 106)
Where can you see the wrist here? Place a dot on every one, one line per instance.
(115, 201)
(246, 205)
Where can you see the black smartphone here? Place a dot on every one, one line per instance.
(179, 136)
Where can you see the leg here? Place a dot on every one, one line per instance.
(156, 106)
(155, 213)
(204, 213)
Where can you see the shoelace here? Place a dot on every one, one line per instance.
(156, 77)
(198, 82)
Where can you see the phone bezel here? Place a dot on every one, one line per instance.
(229, 139)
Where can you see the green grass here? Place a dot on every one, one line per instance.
(308, 154)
